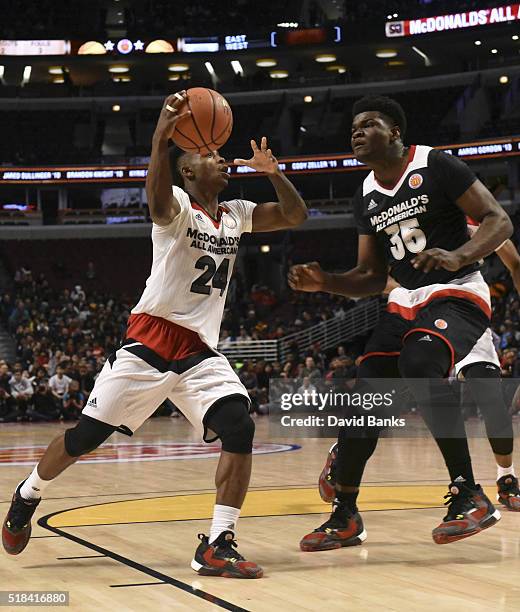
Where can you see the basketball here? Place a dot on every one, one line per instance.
(209, 125)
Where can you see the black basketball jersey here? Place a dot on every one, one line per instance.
(418, 213)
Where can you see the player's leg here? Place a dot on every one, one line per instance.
(346, 462)
(119, 399)
(216, 403)
(217, 555)
(63, 451)
(424, 362)
(483, 379)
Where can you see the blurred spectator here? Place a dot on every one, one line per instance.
(21, 392)
(43, 406)
(59, 384)
(306, 386)
(310, 370)
(73, 402)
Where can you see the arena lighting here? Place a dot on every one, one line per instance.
(92, 47)
(178, 67)
(55, 70)
(174, 77)
(2, 71)
(237, 67)
(324, 58)
(455, 21)
(307, 99)
(266, 62)
(210, 69)
(478, 43)
(118, 69)
(265, 248)
(386, 53)
(58, 79)
(287, 24)
(278, 74)
(514, 37)
(26, 74)
(504, 79)
(394, 63)
(427, 61)
(159, 46)
(116, 108)
(494, 51)
(336, 68)
(122, 79)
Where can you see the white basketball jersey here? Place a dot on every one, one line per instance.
(193, 259)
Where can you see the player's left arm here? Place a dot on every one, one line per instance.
(511, 260)
(290, 210)
(476, 201)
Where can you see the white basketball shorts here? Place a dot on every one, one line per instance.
(129, 390)
(483, 351)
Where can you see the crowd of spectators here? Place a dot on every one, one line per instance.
(63, 338)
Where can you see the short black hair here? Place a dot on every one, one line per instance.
(384, 105)
(176, 155)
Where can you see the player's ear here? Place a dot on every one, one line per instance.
(396, 133)
(187, 172)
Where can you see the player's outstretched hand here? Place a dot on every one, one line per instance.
(306, 277)
(170, 115)
(263, 159)
(435, 259)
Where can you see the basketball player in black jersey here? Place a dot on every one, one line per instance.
(410, 213)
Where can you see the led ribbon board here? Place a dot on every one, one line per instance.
(455, 21)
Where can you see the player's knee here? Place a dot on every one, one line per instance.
(232, 423)
(86, 436)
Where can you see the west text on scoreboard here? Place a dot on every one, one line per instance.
(454, 21)
(503, 147)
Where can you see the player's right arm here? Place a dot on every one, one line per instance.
(367, 278)
(511, 260)
(163, 206)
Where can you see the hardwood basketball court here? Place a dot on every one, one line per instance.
(119, 531)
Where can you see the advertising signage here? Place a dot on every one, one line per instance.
(454, 21)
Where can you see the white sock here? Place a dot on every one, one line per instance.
(505, 471)
(33, 487)
(224, 519)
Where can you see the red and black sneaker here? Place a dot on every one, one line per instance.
(327, 479)
(16, 529)
(508, 492)
(344, 528)
(220, 558)
(469, 513)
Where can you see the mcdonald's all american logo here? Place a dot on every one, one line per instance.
(440, 323)
(136, 451)
(415, 181)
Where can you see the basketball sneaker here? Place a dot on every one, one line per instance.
(16, 529)
(220, 558)
(327, 479)
(344, 528)
(508, 492)
(469, 513)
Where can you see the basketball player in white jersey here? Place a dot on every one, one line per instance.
(172, 335)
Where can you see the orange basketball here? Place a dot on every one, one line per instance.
(209, 125)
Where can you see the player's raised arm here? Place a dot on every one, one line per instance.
(161, 202)
(367, 278)
(290, 210)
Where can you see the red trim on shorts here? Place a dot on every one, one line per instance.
(411, 155)
(411, 313)
(220, 211)
(167, 339)
(434, 333)
(379, 354)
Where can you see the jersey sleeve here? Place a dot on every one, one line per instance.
(454, 176)
(362, 224)
(159, 231)
(245, 209)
